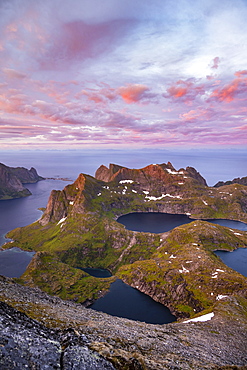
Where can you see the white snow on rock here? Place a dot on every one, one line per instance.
(221, 296)
(134, 191)
(184, 270)
(188, 261)
(150, 197)
(145, 192)
(172, 256)
(62, 220)
(126, 181)
(98, 194)
(219, 270)
(174, 172)
(237, 234)
(206, 317)
(206, 204)
(71, 203)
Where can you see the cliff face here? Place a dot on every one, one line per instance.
(12, 180)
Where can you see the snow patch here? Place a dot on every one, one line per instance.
(98, 194)
(71, 203)
(237, 234)
(174, 172)
(145, 192)
(206, 317)
(172, 256)
(221, 296)
(219, 270)
(206, 204)
(150, 197)
(188, 261)
(126, 181)
(134, 191)
(62, 220)
(184, 270)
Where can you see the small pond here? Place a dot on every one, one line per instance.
(14, 261)
(125, 301)
(99, 273)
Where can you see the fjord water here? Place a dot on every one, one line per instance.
(14, 261)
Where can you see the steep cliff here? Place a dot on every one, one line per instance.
(12, 180)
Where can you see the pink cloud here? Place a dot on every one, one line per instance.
(186, 91)
(233, 90)
(133, 93)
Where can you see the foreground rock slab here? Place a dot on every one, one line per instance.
(43, 332)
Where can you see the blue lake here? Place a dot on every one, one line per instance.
(125, 301)
(237, 259)
(157, 222)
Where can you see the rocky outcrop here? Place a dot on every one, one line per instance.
(27, 344)
(12, 180)
(43, 332)
(238, 180)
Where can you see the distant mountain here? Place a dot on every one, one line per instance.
(12, 180)
(238, 180)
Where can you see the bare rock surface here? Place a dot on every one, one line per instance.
(63, 334)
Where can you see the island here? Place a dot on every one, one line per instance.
(178, 268)
(12, 180)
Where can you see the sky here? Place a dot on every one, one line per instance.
(123, 74)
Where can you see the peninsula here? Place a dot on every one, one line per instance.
(12, 180)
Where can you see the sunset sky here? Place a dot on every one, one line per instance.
(123, 73)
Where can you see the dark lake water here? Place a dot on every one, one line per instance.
(125, 301)
(99, 273)
(236, 259)
(152, 222)
(156, 222)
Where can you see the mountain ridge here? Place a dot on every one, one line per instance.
(12, 180)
